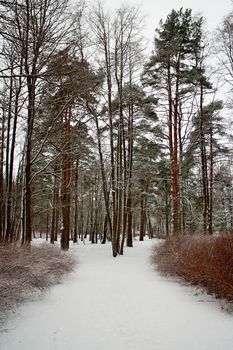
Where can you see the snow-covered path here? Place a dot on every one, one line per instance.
(119, 304)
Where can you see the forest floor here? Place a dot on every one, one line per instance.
(119, 304)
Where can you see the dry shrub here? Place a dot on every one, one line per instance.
(26, 269)
(201, 260)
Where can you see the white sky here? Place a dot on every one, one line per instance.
(213, 11)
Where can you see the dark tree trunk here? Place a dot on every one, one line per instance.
(9, 217)
(1, 177)
(104, 180)
(28, 166)
(167, 210)
(210, 213)
(104, 238)
(65, 202)
(204, 169)
(75, 238)
(174, 172)
(170, 131)
(130, 171)
(47, 222)
(54, 224)
(130, 221)
(66, 181)
(142, 211)
(8, 199)
(149, 226)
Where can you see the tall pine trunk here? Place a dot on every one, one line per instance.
(55, 194)
(31, 85)
(75, 238)
(9, 205)
(66, 181)
(211, 178)
(1, 176)
(204, 169)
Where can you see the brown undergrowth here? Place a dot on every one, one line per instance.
(25, 270)
(201, 260)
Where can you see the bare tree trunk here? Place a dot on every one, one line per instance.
(125, 185)
(204, 169)
(130, 164)
(9, 216)
(170, 131)
(66, 182)
(142, 210)
(175, 179)
(65, 202)
(105, 230)
(210, 213)
(47, 221)
(119, 193)
(181, 223)
(54, 214)
(104, 180)
(130, 221)
(1, 176)
(150, 228)
(28, 166)
(75, 238)
(103, 34)
(167, 210)
(8, 204)
(22, 205)
(108, 65)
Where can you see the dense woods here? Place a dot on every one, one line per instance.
(101, 139)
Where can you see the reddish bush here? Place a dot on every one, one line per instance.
(201, 260)
(26, 269)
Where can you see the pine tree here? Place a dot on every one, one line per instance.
(170, 73)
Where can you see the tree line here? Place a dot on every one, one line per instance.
(100, 139)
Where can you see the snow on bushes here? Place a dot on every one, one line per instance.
(24, 269)
(201, 260)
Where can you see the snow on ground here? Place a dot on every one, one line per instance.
(118, 304)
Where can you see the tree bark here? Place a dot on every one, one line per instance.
(1, 176)
(142, 210)
(211, 178)
(53, 230)
(204, 169)
(75, 238)
(66, 181)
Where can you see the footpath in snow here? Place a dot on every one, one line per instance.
(118, 304)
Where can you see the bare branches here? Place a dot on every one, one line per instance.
(24, 270)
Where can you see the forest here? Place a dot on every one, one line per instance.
(103, 140)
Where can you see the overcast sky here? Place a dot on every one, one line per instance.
(213, 11)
